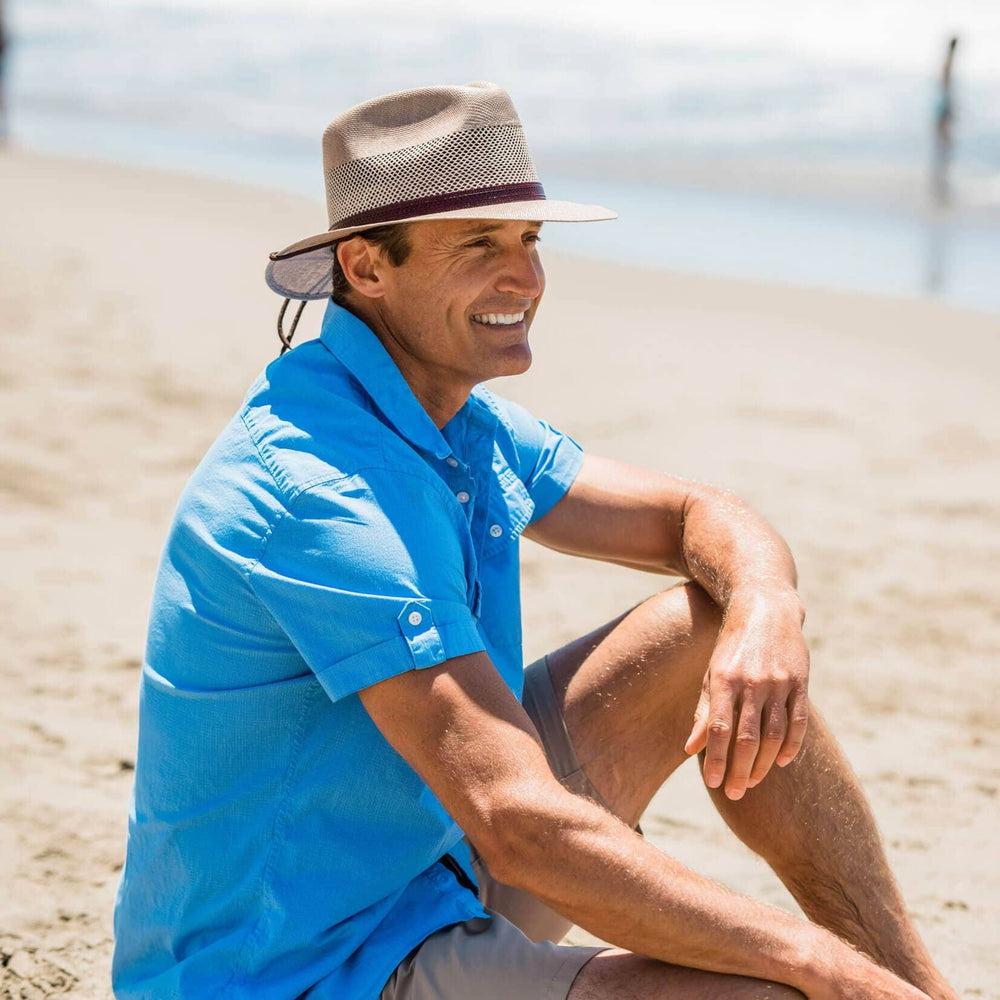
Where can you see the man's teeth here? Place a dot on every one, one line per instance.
(503, 319)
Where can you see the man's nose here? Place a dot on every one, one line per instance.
(522, 275)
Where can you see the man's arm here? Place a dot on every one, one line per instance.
(645, 519)
(755, 689)
(462, 730)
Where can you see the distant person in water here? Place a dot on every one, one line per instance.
(944, 113)
(3, 50)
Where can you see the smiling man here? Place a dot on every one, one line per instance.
(348, 784)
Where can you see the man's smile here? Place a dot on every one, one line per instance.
(498, 319)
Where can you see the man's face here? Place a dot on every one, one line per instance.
(437, 304)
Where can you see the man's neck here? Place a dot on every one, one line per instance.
(436, 393)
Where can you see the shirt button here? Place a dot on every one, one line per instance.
(462, 496)
(452, 461)
(414, 617)
(495, 530)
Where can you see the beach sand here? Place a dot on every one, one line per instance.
(135, 314)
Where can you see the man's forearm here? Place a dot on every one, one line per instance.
(729, 548)
(592, 868)
(753, 711)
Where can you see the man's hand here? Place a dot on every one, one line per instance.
(754, 699)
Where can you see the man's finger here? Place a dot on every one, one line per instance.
(746, 746)
(774, 726)
(720, 731)
(798, 720)
(699, 732)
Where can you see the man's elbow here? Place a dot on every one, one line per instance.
(524, 823)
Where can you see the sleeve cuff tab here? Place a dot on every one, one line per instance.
(416, 622)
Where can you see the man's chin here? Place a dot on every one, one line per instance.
(515, 359)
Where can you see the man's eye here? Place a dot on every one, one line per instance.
(484, 242)
(535, 237)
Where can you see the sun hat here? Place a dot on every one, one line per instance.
(445, 152)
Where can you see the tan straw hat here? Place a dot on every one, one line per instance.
(430, 153)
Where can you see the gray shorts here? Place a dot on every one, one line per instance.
(516, 954)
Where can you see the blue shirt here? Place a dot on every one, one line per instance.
(332, 537)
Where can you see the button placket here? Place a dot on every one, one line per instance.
(510, 507)
(466, 494)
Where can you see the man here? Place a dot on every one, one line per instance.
(347, 783)
(3, 69)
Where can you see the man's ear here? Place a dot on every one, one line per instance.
(363, 266)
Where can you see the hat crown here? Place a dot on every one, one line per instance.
(429, 141)
(407, 117)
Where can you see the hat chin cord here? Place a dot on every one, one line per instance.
(286, 339)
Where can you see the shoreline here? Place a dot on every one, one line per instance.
(865, 428)
(868, 226)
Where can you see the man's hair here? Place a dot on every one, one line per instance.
(393, 239)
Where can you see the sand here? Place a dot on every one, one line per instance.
(135, 314)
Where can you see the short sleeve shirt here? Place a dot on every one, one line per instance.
(332, 537)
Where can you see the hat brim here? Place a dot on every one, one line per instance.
(302, 270)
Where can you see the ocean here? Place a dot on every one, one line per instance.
(786, 142)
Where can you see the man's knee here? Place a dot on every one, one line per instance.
(705, 613)
(703, 617)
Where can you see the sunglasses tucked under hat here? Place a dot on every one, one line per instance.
(430, 153)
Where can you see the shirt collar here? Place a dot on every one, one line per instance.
(355, 344)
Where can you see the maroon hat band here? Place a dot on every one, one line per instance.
(400, 211)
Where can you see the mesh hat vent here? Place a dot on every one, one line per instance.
(476, 158)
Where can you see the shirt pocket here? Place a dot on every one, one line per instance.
(509, 509)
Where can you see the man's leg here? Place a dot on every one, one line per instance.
(811, 822)
(628, 692)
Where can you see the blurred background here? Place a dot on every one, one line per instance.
(730, 136)
(799, 301)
